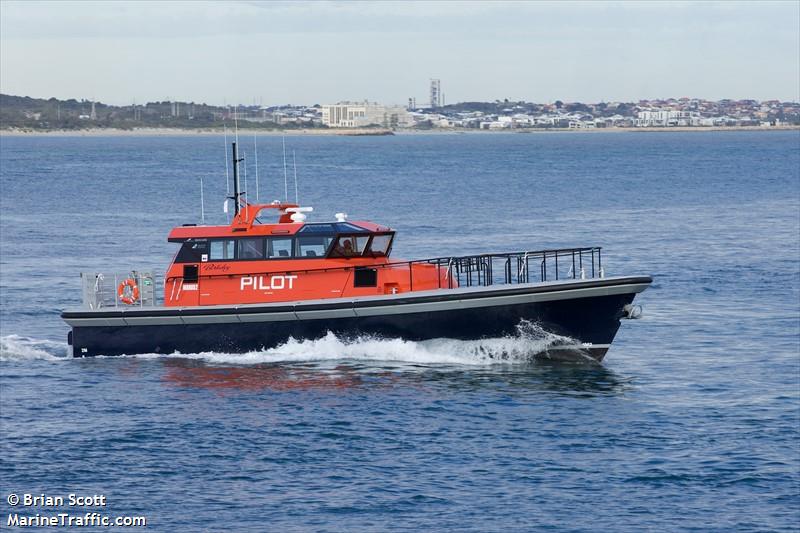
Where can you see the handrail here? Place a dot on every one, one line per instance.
(100, 289)
(480, 264)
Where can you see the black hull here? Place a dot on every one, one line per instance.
(588, 312)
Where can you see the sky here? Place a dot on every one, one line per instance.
(270, 53)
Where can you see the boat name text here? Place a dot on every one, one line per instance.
(216, 267)
(262, 283)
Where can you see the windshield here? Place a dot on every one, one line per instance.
(350, 246)
(380, 245)
(362, 246)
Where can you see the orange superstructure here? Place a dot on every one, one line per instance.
(248, 262)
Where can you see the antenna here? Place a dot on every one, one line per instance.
(235, 196)
(227, 178)
(202, 202)
(244, 192)
(236, 122)
(255, 152)
(294, 162)
(285, 179)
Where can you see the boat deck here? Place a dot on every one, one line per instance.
(411, 302)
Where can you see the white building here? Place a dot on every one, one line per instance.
(666, 117)
(361, 114)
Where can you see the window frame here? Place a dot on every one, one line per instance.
(223, 239)
(181, 257)
(237, 251)
(333, 254)
(325, 254)
(291, 255)
(368, 251)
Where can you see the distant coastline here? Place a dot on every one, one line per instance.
(356, 132)
(23, 114)
(155, 132)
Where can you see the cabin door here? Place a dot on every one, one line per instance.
(190, 288)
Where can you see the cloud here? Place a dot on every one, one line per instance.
(138, 19)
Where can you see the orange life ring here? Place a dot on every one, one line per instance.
(131, 298)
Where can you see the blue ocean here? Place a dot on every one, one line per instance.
(692, 422)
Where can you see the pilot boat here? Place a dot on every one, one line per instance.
(250, 286)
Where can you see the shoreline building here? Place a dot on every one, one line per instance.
(362, 114)
(666, 117)
(436, 93)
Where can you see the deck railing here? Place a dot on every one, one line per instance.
(101, 290)
(520, 267)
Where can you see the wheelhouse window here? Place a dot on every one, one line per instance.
(380, 245)
(350, 246)
(318, 228)
(279, 248)
(331, 228)
(192, 252)
(313, 246)
(251, 248)
(222, 250)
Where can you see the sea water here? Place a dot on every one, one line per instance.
(691, 423)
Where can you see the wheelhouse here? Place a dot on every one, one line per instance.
(340, 240)
(292, 260)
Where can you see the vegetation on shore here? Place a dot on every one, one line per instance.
(26, 113)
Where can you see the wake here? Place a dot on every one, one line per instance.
(529, 343)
